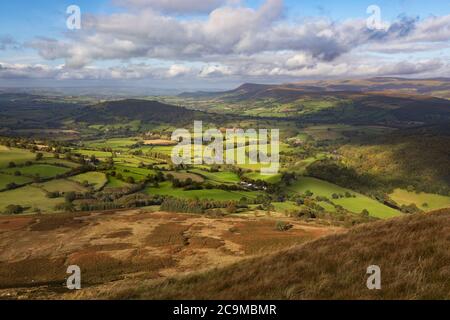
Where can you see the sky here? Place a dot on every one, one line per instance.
(205, 44)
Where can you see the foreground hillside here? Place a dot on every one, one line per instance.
(123, 249)
(413, 253)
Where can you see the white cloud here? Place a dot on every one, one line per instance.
(177, 70)
(173, 6)
(239, 41)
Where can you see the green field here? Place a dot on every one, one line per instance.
(166, 188)
(63, 162)
(356, 205)
(42, 170)
(285, 206)
(96, 153)
(18, 156)
(97, 179)
(30, 197)
(138, 174)
(433, 201)
(218, 177)
(275, 178)
(116, 143)
(115, 183)
(61, 185)
(133, 161)
(183, 176)
(6, 179)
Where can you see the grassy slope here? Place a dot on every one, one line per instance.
(412, 252)
(61, 185)
(97, 179)
(28, 196)
(434, 201)
(357, 204)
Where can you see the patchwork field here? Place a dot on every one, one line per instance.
(166, 188)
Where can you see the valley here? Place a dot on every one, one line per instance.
(94, 184)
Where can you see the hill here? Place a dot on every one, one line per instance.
(411, 251)
(384, 101)
(132, 109)
(435, 87)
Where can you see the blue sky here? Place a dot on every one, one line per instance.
(26, 18)
(26, 23)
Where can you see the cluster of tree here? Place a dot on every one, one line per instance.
(187, 184)
(336, 172)
(410, 209)
(130, 201)
(197, 206)
(347, 194)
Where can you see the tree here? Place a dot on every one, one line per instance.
(11, 165)
(39, 156)
(70, 197)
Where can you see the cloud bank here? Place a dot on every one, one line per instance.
(219, 38)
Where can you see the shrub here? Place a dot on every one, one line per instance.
(70, 197)
(283, 226)
(11, 186)
(14, 209)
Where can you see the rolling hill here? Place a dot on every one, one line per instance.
(132, 109)
(386, 101)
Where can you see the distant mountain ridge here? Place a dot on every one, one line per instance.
(383, 101)
(436, 87)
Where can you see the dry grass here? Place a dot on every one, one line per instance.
(259, 237)
(52, 222)
(117, 249)
(413, 253)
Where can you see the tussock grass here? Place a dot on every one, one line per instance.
(413, 253)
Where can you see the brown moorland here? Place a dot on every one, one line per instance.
(413, 253)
